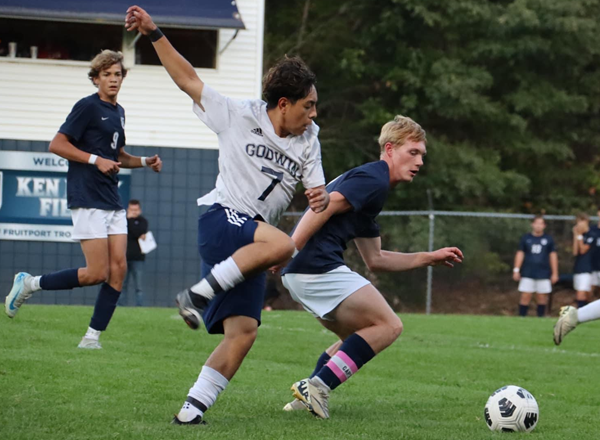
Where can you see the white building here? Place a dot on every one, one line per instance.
(37, 94)
(45, 50)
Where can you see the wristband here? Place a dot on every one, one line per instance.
(143, 159)
(516, 270)
(580, 237)
(92, 159)
(156, 34)
(296, 252)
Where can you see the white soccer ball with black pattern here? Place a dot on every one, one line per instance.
(511, 408)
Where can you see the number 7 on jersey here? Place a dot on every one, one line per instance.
(278, 177)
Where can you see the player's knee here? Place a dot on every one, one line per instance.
(93, 277)
(285, 249)
(393, 329)
(118, 269)
(396, 328)
(245, 337)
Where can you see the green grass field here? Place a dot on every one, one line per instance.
(431, 384)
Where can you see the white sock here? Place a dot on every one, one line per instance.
(204, 289)
(589, 312)
(34, 283)
(207, 388)
(226, 273)
(92, 333)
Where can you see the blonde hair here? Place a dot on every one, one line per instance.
(104, 60)
(399, 131)
(582, 216)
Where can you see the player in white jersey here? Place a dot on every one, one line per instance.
(265, 149)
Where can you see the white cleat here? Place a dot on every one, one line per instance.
(567, 321)
(314, 395)
(19, 293)
(294, 405)
(90, 344)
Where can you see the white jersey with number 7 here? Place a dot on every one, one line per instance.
(258, 170)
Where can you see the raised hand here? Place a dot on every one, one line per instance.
(138, 19)
(154, 162)
(318, 198)
(446, 256)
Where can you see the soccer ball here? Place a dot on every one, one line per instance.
(511, 408)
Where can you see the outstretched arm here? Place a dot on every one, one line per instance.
(378, 260)
(180, 70)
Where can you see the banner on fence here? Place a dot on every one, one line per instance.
(33, 196)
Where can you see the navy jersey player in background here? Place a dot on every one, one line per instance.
(536, 267)
(343, 301)
(92, 139)
(265, 150)
(583, 240)
(595, 231)
(570, 316)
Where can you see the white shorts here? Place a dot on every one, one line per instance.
(321, 293)
(529, 285)
(91, 223)
(582, 282)
(596, 278)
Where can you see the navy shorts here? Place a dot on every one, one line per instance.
(222, 231)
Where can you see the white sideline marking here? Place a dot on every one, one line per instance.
(545, 350)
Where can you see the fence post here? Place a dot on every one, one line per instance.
(429, 268)
(430, 248)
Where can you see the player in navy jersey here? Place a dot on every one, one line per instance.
(92, 139)
(265, 150)
(583, 240)
(595, 232)
(570, 317)
(343, 301)
(536, 267)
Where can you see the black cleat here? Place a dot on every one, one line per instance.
(196, 421)
(191, 310)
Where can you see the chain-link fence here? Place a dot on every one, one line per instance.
(483, 283)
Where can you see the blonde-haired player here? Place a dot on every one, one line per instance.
(343, 301)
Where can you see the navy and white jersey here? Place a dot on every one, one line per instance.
(583, 262)
(366, 188)
(96, 127)
(536, 264)
(258, 170)
(595, 231)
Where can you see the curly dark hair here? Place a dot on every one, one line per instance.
(289, 78)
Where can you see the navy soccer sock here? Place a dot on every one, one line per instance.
(323, 359)
(61, 280)
(352, 355)
(541, 310)
(523, 310)
(580, 304)
(106, 303)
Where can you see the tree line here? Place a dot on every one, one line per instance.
(508, 92)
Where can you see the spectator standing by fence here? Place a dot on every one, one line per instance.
(137, 227)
